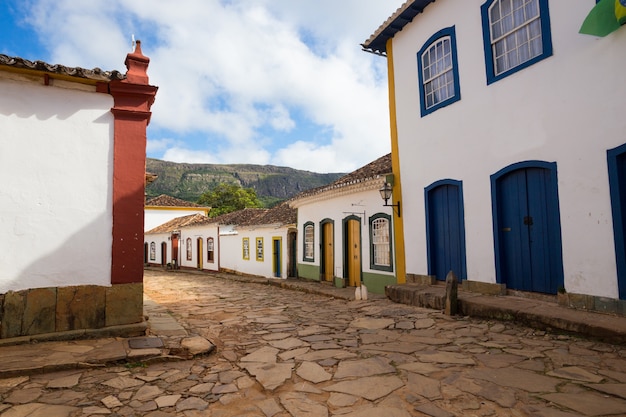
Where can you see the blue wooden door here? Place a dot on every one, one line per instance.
(617, 184)
(528, 230)
(446, 235)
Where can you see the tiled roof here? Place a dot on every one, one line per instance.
(377, 168)
(377, 43)
(168, 201)
(245, 217)
(95, 74)
(179, 222)
(280, 214)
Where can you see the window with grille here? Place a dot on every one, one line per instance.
(380, 242)
(210, 254)
(259, 249)
(516, 34)
(309, 240)
(245, 248)
(189, 249)
(438, 71)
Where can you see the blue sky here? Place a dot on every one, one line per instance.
(278, 82)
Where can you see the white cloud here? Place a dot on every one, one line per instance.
(231, 155)
(159, 145)
(228, 69)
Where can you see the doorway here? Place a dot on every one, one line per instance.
(527, 227)
(199, 252)
(277, 257)
(617, 187)
(445, 229)
(352, 250)
(328, 253)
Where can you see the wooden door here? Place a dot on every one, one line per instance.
(175, 250)
(446, 235)
(353, 252)
(529, 231)
(328, 261)
(199, 252)
(276, 257)
(163, 253)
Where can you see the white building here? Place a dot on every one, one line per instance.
(71, 204)
(250, 241)
(163, 208)
(345, 232)
(188, 241)
(259, 242)
(508, 143)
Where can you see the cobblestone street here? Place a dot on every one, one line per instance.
(283, 353)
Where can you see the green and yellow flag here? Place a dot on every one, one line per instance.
(606, 17)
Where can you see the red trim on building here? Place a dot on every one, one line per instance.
(133, 98)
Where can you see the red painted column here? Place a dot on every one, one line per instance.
(133, 98)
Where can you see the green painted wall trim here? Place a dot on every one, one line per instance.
(309, 271)
(376, 283)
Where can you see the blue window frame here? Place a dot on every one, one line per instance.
(516, 34)
(438, 71)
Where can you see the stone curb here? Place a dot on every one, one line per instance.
(125, 330)
(539, 314)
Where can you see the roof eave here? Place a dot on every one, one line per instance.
(377, 42)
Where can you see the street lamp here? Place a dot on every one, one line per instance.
(385, 194)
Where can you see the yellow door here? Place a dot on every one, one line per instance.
(328, 252)
(353, 234)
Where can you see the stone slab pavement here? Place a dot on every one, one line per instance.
(217, 346)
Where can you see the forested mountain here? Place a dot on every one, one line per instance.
(271, 183)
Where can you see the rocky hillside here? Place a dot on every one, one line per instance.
(271, 183)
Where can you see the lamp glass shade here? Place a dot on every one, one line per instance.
(385, 191)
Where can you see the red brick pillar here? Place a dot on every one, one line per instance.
(133, 98)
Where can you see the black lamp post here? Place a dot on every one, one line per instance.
(385, 194)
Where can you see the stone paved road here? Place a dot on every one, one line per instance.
(287, 353)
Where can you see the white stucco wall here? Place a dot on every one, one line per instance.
(155, 217)
(231, 250)
(361, 203)
(567, 108)
(55, 199)
(195, 233)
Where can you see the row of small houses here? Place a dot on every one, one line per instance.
(340, 232)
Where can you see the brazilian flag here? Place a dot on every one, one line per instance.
(606, 17)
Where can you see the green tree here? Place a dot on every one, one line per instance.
(226, 198)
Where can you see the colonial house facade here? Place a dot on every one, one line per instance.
(259, 242)
(163, 208)
(73, 164)
(251, 241)
(508, 145)
(187, 241)
(345, 233)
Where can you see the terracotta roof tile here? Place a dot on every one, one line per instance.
(95, 74)
(377, 42)
(280, 214)
(168, 201)
(379, 167)
(180, 222)
(243, 217)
